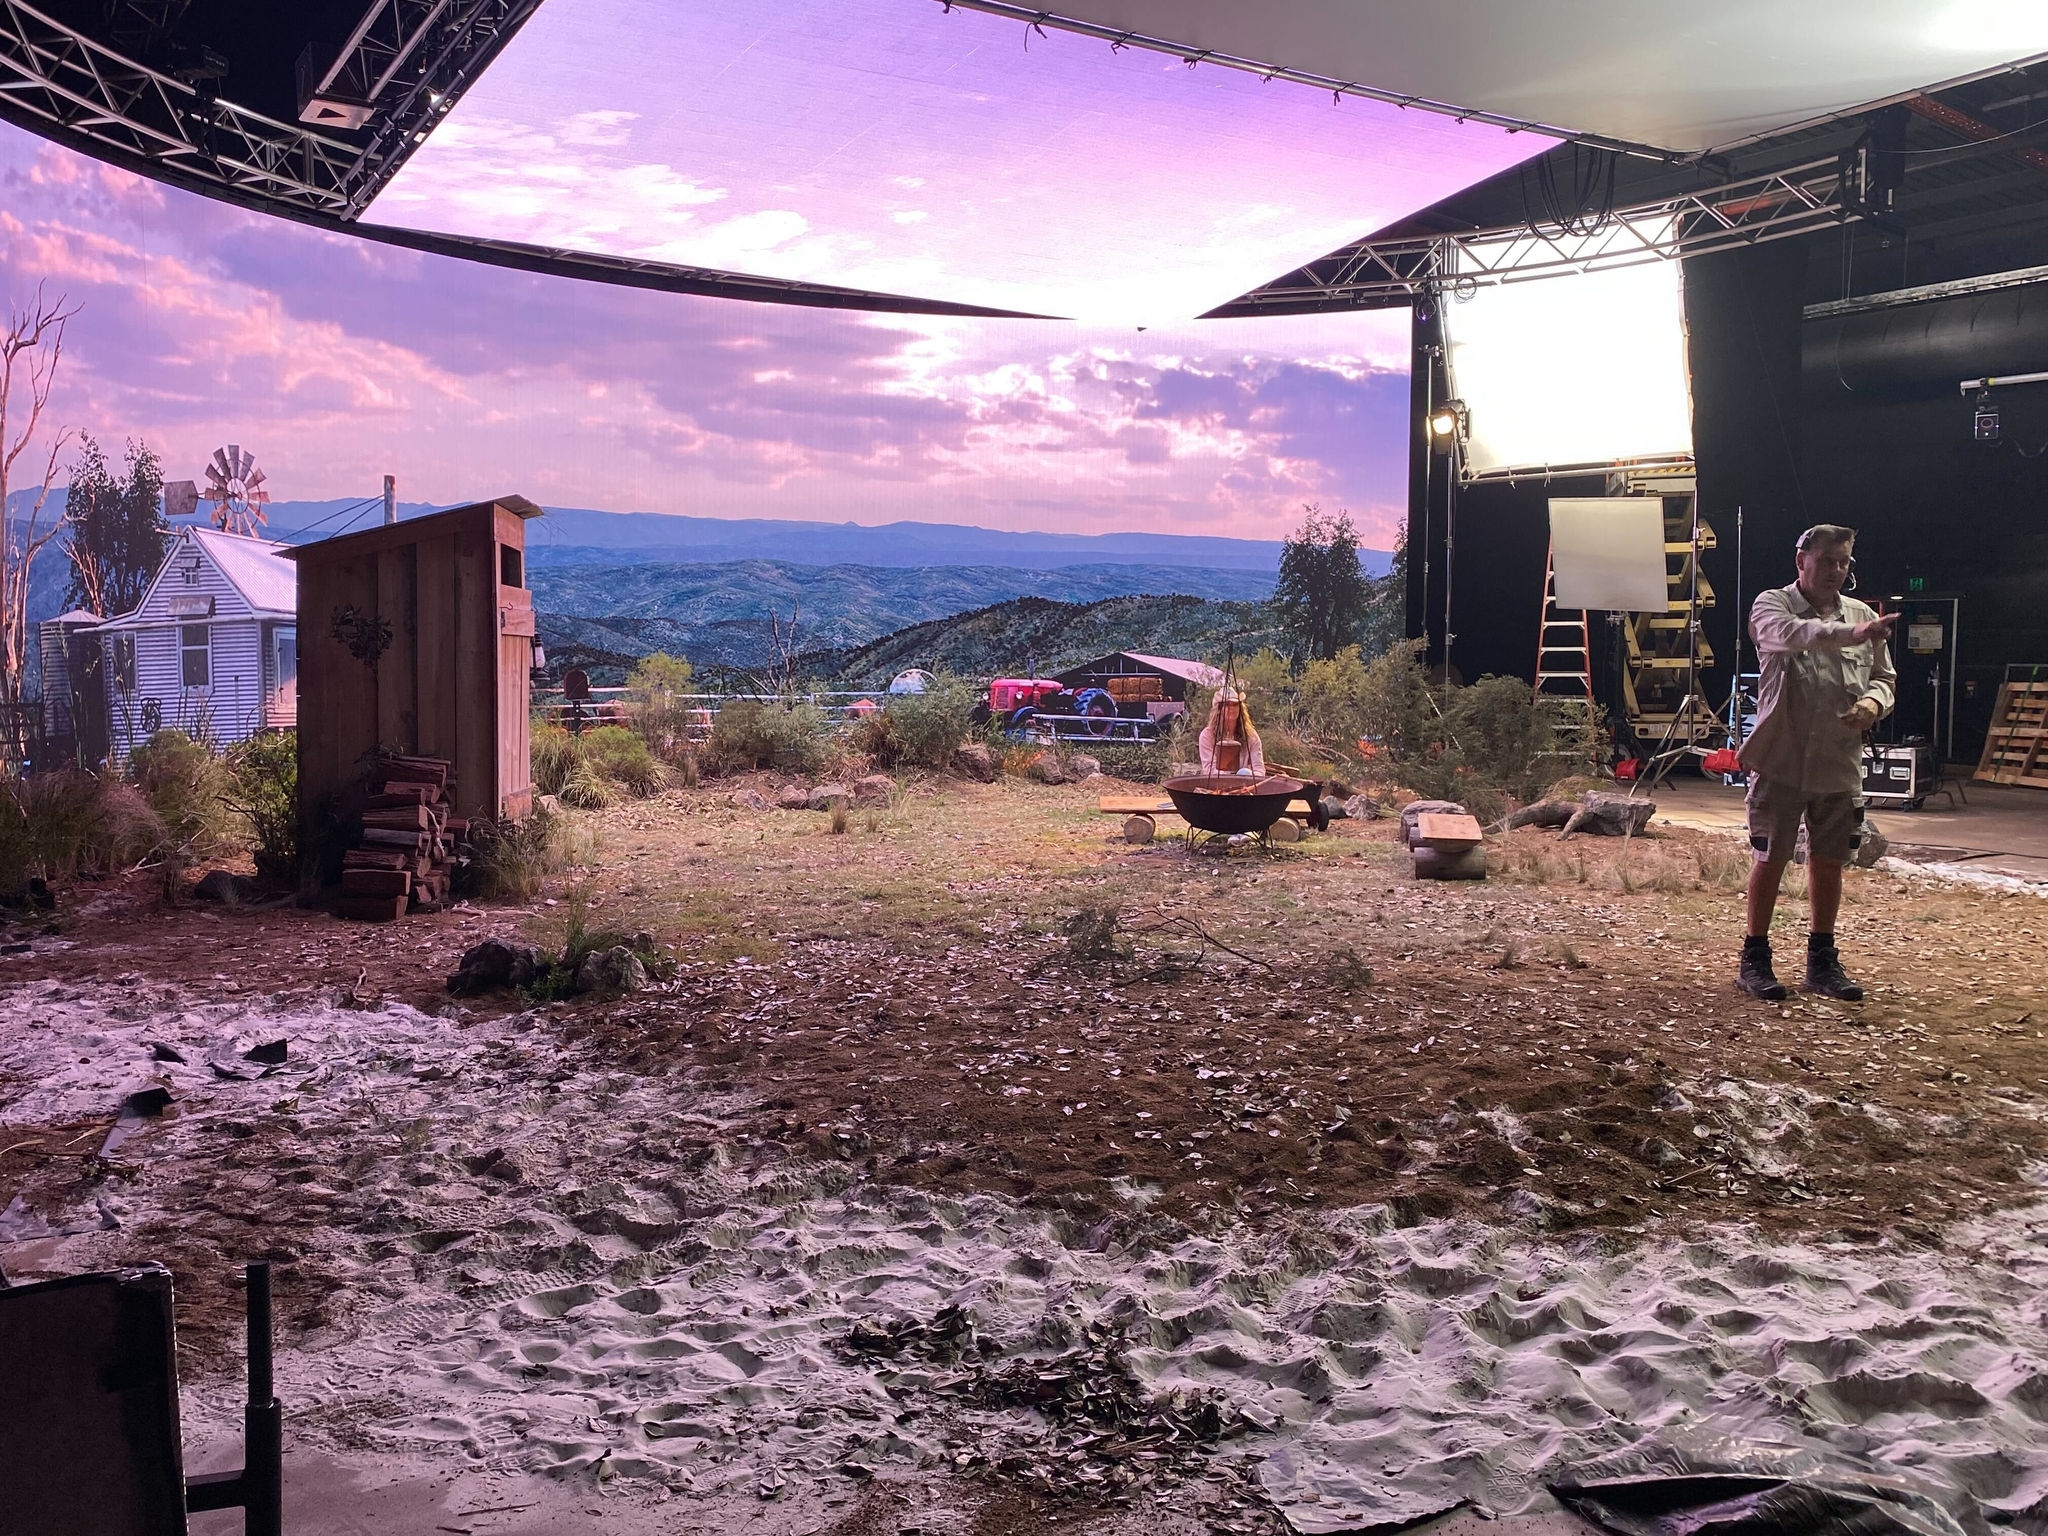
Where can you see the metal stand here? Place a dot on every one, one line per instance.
(258, 1489)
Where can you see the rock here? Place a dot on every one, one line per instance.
(748, 800)
(1182, 770)
(496, 963)
(1363, 808)
(270, 1053)
(1045, 769)
(1333, 810)
(1080, 767)
(1871, 846)
(793, 797)
(975, 761)
(160, 1050)
(830, 797)
(223, 886)
(1610, 815)
(872, 793)
(1413, 812)
(1465, 864)
(552, 804)
(616, 969)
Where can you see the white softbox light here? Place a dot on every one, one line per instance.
(1608, 553)
(1579, 372)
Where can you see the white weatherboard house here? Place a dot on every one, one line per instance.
(212, 649)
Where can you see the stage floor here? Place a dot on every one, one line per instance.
(2002, 829)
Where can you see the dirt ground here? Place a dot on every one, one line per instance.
(1252, 1036)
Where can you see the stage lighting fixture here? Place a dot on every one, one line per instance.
(1448, 423)
(1987, 418)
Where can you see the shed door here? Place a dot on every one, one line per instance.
(284, 649)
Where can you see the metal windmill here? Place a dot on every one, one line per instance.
(235, 486)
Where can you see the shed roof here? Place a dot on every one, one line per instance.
(1200, 673)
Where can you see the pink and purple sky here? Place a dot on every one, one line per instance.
(338, 360)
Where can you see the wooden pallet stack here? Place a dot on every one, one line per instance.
(2016, 746)
(401, 860)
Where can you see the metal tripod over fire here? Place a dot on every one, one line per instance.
(235, 486)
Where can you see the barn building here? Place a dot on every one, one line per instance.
(211, 650)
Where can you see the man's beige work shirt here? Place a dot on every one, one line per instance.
(1812, 674)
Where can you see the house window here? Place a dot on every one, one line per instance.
(195, 651)
(510, 572)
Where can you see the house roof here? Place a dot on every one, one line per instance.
(255, 568)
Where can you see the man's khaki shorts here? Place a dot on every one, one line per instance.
(1834, 823)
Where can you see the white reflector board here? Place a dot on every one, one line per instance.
(1608, 552)
(1573, 372)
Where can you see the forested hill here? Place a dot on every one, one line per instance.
(1004, 639)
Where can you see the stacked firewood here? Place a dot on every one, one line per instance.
(402, 857)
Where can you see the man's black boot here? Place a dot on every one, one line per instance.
(1824, 973)
(1756, 977)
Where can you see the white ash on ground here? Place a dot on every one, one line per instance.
(497, 1247)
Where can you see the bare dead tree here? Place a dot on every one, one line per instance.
(30, 351)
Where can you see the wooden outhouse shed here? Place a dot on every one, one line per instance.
(417, 638)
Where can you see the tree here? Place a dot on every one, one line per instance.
(30, 351)
(1323, 592)
(1386, 613)
(659, 677)
(117, 528)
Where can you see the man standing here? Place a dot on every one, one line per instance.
(1826, 679)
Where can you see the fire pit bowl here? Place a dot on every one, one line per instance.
(1224, 804)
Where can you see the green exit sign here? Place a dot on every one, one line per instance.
(1916, 583)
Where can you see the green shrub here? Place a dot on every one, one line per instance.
(589, 790)
(187, 787)
(750, 733)
(923, 730)
(263, 785)
(1140, 762)
(57, 825)
(621, 756)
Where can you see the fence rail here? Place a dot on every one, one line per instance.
(610, 706)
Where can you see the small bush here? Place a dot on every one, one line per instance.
(1140, 762)
(750, 734)
(925, 729)
(621, 756)
(58, 825)
(187, 787)
(263, 785)
(512, 858)
(589, 790)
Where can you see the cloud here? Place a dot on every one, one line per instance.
(339, 360)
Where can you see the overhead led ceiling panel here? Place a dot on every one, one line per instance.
(1676, 74)
(890, 146)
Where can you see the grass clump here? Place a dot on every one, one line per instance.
(188, 789)
(596, 770)
(512, 858)
(56, 826)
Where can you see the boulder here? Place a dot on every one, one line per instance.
(1610, 815)
(872, 793)
(976, 761)
(1045, 769)
(616, 969)
(551, 804)
(830, 797)
(748, 800)
(496, 962)
(1182, 770)
(1871, 845)
(1080, 767)
(1363, 808)
(793, 797)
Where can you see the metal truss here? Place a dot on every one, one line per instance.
(58, 82)
(376, 49)
(1776, 206)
